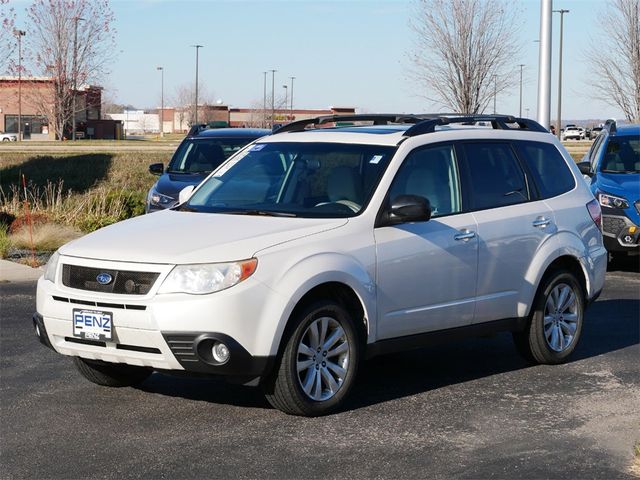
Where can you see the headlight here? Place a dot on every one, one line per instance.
(52, 266)
(612, 202)
(208, 277)
(160, 200)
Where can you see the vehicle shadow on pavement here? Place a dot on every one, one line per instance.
(629, 264)
(395, 376)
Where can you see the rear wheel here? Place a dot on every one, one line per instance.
(318, 366)
(111, 374)
(555, 322)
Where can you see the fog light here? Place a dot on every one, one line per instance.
(220, 352)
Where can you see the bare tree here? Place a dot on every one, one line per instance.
(463, 52)
(70, 41)
(184, 98)
(618, 72)
(7, 35)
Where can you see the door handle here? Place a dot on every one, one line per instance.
(541, 222)
(465, 235)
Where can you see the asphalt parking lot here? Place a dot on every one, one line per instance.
(472, 409)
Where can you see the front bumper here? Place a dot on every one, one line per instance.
(620, 234)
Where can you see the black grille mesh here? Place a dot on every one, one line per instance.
(123, 281)
(612, 224)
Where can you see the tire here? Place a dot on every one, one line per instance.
(323, 381)
(6, 140)
(111, 374)
(551, 334)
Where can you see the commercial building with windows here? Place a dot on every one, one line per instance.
(37, 101)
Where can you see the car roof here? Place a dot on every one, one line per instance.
(232, 132)
(624, 130)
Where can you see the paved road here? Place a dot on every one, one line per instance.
(468, 410)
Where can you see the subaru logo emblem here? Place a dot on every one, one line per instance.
(104, 279)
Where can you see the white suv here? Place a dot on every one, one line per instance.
(313, 249)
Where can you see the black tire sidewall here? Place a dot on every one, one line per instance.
(290, 354)
(543, 353)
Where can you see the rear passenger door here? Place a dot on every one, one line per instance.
(512, 224)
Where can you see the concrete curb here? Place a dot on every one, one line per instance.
(16, 272)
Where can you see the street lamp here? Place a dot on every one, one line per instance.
(521, 67)
(161, 100)
(561, 12)
(286, 97)
(495, 92)
(264, 101)
(273, 105)
(195, 116)
(19, 34)
(75, 75)
(291, 93)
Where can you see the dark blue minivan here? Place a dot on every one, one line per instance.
(201, 152)
(613, 168)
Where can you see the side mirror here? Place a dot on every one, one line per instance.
(409, 208)
(585, 168)
(156, 168)
(185, 194)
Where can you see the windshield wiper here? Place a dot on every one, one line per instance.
(265, 213)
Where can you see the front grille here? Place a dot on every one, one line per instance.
(99, 304)
(122, 281)
(119, 346)
(612, 225)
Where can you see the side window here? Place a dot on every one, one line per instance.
(597, 152)
(548, 168)
(495, 176)
(430, 172)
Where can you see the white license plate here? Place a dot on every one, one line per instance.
(92, 325)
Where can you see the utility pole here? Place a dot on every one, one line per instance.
(195, 115)
(495, 92)
(292, 79)
(521, 67)
(273, 104)
(286, 97)
(19, 34)
(558, 127)
(75, 76)
(544, 70)
(264, 101)
(161, 100)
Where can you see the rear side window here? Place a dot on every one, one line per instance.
(494, 175)
(548, 168)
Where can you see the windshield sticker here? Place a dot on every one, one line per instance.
(258, 147)
(376, 159)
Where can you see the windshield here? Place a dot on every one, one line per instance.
(205, 155)
(295, 179)
(622, 155)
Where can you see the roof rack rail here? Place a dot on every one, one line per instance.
(498, 122)
(376, 118)
(611, 125)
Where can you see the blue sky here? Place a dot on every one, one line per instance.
(342, 53)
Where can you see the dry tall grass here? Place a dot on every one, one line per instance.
(45, 237)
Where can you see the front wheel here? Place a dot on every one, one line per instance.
(555, 322)
(318, 366)
(111, 374)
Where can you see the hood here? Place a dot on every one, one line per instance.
(624, 184)
(171, 183)
(171, 237)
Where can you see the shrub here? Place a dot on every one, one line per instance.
(5, 242)
(46, 237)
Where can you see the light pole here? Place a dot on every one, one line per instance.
(19, 34)
(291, 93)
(544, 64)
(286, 97)
(558, 127)
(495, 92)
(195, 115)
(161, 100)
(75, 76)
(521, 67)
(273, 105)
(264, 101)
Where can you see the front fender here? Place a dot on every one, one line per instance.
(303, 276)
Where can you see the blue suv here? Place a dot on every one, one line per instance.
(613, 167)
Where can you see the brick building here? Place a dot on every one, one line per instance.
(38, 99)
